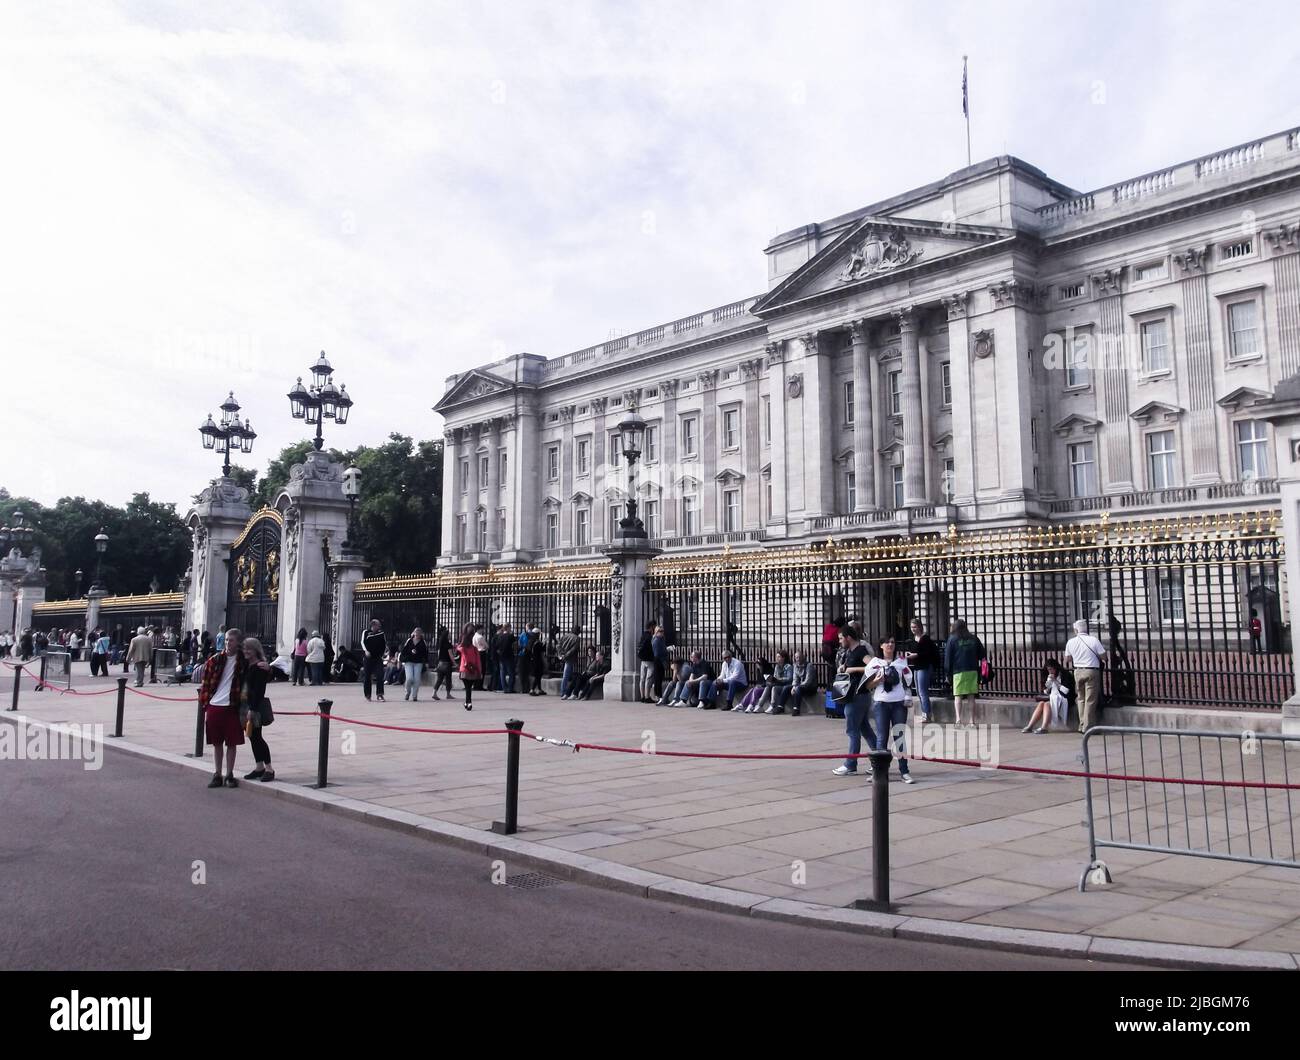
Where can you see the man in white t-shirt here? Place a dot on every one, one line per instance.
(1084, 655)
(893, 687)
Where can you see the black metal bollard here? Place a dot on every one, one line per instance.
(198, 729)
(121, 706)
(40, 685)
(323, 753)
(511, 824)
(18, 676)
(879, 900)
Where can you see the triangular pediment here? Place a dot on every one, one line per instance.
(874, 251)
(1157, 411)
(1242, 397)
(472, 386)
(1075, 423)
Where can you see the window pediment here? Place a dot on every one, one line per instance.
(1076, 424)
(1156, 412)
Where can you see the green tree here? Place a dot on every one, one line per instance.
(399, 516)
(277, 472)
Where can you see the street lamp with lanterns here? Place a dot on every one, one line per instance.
(79, 575)
(229, 434)
(632, 431)
(352, 491)
(321, 401)
(101, 546)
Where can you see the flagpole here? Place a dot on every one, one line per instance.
(965, 107)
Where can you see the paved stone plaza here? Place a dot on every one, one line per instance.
(991, 848)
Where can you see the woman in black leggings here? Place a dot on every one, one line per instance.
(442, 662)
(255, 678)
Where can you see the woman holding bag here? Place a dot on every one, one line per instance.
(415, 657)
(471, 662)
(255, 709)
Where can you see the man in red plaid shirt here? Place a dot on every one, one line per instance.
(219, 692)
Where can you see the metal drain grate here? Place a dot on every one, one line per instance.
(532, 881)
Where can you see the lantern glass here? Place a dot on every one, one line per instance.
(297, 404)
(329, 400)
(313, 411)
(209, 436)
(101, 542)
(223, 444)
(633, 431)
(321, 370)
(246, 438)
(344, 404)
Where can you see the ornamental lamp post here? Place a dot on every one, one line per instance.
(321, 401)
(229, 434)
(101, 546)
(352, 491)
(632, 431)
(76, 595)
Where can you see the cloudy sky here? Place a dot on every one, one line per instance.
(200, 196)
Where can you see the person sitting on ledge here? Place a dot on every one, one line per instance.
(756, 691)
(674, 688)
(803, 682)
(394, 671)
(592, 677)
(700, 686)
(778, 688)
(732, 680)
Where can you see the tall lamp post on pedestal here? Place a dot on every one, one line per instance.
(632, 430)
(18, 537)
(101, 546)
(229, 434)
(320, 401)
(352, 491)
(76, 595)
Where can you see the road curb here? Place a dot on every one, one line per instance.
(583, 868)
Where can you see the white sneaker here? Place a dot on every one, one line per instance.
(844, 771)
(907, 778)
(738, 707)
(770, 710)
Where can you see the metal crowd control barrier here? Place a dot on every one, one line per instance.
(1227, 796)
(56, 668)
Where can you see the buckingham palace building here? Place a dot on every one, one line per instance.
(991, 363)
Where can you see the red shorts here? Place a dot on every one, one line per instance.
(222, 725)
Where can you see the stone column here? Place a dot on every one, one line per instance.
(528, 476)
(709, 449)
(566, 476)
(315, 512)
(913, 424)
(7, 594)
(1112, 379)
(493, 501)
(631, 560)
(1282, 410)
(962, 391)
(1202, 411)
(753, 442)
(31, 591)
(473, 435)
(450, 496)
(819, 473)
(864, 428)
(345, 572)
(601, 468)
(94, 598)
(216, 520)
(776, 397)
(510, 485)
(669, 470)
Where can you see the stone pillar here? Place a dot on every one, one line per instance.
(94, 599)
(709, 449)
(31, 591)
(753, 428)
(315, 511)
(962, 417)
(776, 398)
(819, 473)
(1202, 410)
(1282, 410)
(493, 500)
(864, 428)
(631, 560)
(527, 476)
(603, 469)
(669, 470)
(566, 476)
(216, 520)
(913, 424)
(473, 435)
(450, 496)
(1112, 377)
(345, 572)
(7, 597)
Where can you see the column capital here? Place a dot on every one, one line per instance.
(598, 404)
(1013, 292)
(750, 369)
(449, 435)
(905, 318)
(1284, 239)
(775, 353)
(957, 305)
(1108, 281)
(1192, 259)
(859, 331)
(509, 421)
(709, 378)
(669, 387)
(811, 347)
(632, 396)
(566, 413)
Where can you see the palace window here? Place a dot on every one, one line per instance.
(483, 466)
(1076, 361)
(945, 383)
(1172, 605)
(850, 491)
(895, 393)
(482, 531)
(1070, 290)
(730, 511)
(1155, 346)
(1243, 329)
(584, 456)
(651, 444)
(650, 517)
(464, 476)
(767, 420)
(615, 447)
(615, 517)
(460, 535)
(553, 463)
(731, 429)
(1161, 458)
(501, 525)
(1252, 449)
(1083, 470)
(552, 529)
(1242, 248)
(848, 402)
(949, 484)
(690, 515)
(690, 436)
(1152, 270)
(898, 485)
(582, 526)
(503, 467)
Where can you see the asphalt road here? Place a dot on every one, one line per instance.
(98, 873)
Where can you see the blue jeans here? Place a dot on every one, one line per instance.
(506, 674)
(886, 716)
(672, 693)
(857, 723)
(566, 679)
(923, 691)
(702, 691)
(734, 688)
(414, 671)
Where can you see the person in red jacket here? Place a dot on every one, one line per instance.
(471, 663)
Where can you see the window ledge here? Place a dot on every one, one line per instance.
(1151, 377)
(1244, 362)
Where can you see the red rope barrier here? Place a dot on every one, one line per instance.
(55, 688)
(164, 699)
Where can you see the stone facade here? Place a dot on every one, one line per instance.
(993, 349)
